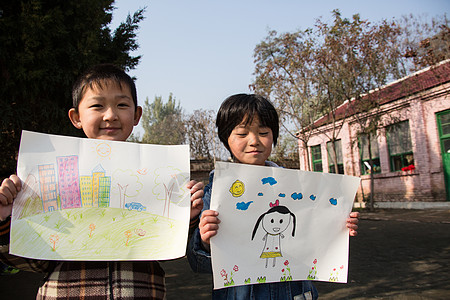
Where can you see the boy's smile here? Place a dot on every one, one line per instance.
(252, 143)
(106, 113)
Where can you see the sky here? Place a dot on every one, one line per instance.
(201, 51)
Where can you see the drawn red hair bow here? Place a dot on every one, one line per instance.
(274, 204)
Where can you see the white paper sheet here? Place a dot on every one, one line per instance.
(279, 225)
(87, 199)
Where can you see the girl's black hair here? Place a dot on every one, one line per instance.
(101, 75)
(238, 107)
(280, 209)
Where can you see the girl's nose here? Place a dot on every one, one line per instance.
(254, 139)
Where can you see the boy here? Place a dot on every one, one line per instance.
(104, 107)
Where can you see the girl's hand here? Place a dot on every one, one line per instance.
(196, 197)
(352, 223)
(8, 191)
(209, 224)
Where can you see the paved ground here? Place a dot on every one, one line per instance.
(398, 254)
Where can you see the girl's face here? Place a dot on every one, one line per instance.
(252, 143)
(276, 223)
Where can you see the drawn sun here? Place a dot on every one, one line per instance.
(103, 150)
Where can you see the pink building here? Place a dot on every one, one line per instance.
(411, 151)
(48, 185)
(69, 183)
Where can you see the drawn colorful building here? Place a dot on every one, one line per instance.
(86, 191)
(104, 191)
(69, 184)
(48, 186)
(95, 189)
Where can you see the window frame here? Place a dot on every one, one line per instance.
(339, 158)
(401, 156)
(375, 159)
(315, 162)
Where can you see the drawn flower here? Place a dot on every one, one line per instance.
(342, 267)
(286, 263)
(128, 234)
(235, 268)
(315, 261)
(223, 273)
(282, 270)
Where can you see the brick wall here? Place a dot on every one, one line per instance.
(426, 183)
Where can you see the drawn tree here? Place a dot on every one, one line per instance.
(125, 183)
(169, 186)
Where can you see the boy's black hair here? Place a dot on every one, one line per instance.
(101, 75)
(237, 107)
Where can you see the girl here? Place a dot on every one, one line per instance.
(248, 127)
(274, 222)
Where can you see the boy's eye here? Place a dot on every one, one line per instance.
(95, 105)
(264, 133)
(124, 105)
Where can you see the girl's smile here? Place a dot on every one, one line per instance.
(251, 143)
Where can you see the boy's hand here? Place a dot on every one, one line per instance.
(196, 197)
(8, 191)
(209, 224)
(352, 223)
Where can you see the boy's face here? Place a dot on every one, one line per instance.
(251, 144)
(107, 114)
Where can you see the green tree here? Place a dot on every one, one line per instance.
(309, 73)
(163, 122)
(44, 46)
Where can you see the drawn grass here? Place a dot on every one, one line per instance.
(119, 238)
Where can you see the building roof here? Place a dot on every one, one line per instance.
(415, 83)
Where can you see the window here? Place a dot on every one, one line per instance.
(366, 167)
(400, 147)
(339, 160)
(316, 156)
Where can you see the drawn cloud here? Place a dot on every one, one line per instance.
(243, 205)
(296, 196)
(269, 180)
(333, 201)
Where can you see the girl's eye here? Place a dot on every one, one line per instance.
(281, 221)
(263, 133)
(95, 105)
(272, 221)
(124, 105)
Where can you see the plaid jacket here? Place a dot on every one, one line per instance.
(93, 279)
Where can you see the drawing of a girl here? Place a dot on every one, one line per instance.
(274, 222)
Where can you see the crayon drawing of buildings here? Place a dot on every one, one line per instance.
(95, 189)
(49, 188)
(68, 178)
(86, 190)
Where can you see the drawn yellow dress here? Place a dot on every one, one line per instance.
(272, 247)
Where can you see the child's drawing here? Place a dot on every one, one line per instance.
(79, 204)
(297, 218)
(274, 222)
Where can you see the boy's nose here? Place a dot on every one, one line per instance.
(110, 114)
